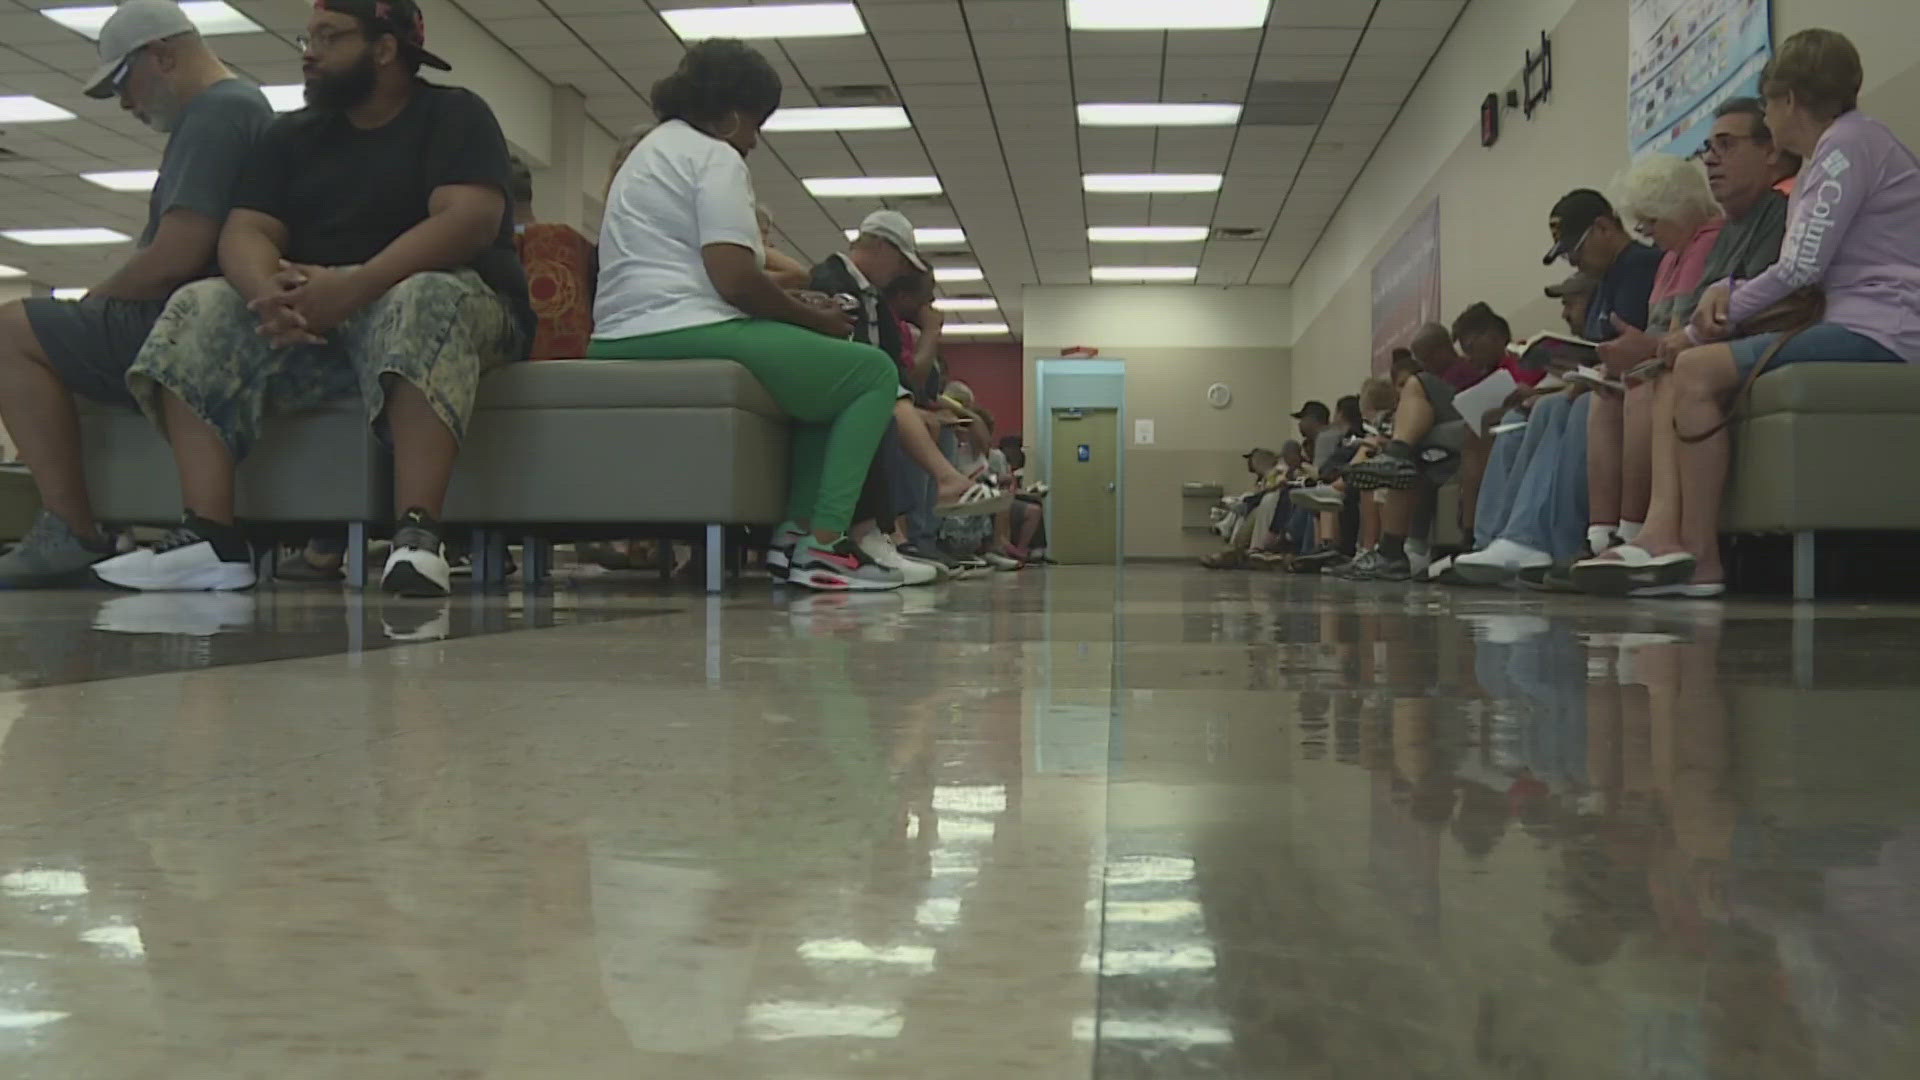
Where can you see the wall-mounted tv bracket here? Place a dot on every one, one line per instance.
(1536, 79)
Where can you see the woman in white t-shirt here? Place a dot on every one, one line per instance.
(682, 276)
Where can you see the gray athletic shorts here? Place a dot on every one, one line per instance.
(90, 343)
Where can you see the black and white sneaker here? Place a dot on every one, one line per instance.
(418, 565)
(199, 556)
(780, 552)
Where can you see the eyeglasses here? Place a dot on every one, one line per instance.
(118, 80)
(323, 39)
(1573, 249)
(1722, 145)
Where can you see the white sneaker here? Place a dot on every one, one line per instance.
(418, 564)
(183, 562)
(878, 546)
(999, 561)
(1500, 563)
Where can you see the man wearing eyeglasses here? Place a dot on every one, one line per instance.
(155, 62)
(369, 253)
(1588, 234)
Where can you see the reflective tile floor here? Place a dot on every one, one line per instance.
(1061, 824)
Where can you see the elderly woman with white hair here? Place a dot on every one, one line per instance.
(1666, 199)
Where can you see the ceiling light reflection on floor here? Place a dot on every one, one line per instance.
(773, 1021)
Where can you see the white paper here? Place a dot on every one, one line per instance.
(1143, 433)
(1489, 393)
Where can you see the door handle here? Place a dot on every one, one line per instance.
(1110, 488)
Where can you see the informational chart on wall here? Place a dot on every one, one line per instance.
(1684, 58)
(1406, 286)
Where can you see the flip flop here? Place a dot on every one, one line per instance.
(980, 500)
(1619, 571)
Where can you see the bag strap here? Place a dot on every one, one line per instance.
(1809, 316)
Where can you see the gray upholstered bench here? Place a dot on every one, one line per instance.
(319, 467)
(557, 443)
(1798, 447)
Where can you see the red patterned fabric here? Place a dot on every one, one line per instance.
(560, 266)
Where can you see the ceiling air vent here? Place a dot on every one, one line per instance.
(869, 94)
(1288, 103)
(1236, 233)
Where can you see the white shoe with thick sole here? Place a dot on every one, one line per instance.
(416, 571)
(879, 547)
(1500, 563)
(188, 568)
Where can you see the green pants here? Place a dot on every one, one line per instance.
(839, 393)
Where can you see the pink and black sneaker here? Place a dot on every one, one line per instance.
(841, 567)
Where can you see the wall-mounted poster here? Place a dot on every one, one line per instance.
(1406, 286)
(1684, 57)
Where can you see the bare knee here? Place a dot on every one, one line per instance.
(1705, 372)
(17, 339)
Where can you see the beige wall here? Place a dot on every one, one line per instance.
(1176, 342)
(1494, 202)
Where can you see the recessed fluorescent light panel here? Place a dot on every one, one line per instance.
(1187, 15)
(1147, 234)
(856, 118)
(210, 17)
(1158, 114)
(64, 237)
(928, 237)
(131, 180)
(843, 187)
(974, 328)
(288, 97)
(23, 109)
(69, 294)
(11, 272)
(966, 303)
(1145, 273)
(766, 21)
(1151, 183)
(958, 273)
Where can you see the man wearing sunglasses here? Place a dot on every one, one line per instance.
(369, 255)
(155, 62)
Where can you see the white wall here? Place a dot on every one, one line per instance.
(521, 97)
(1176, 341)
(1485, 52)
(1111, 317)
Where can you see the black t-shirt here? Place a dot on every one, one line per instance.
(345, 193)
(873, 323)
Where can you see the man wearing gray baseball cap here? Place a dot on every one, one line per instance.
(153, 59)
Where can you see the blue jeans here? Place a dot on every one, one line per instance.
(1549, 511)
(922, 525)
(1821, 343)
(1497, 486)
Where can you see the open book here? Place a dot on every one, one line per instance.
(1548, 351)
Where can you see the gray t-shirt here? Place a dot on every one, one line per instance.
(1746, 247)
(1325, 445)
(212, 140)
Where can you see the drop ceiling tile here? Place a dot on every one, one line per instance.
(1050, 43)
(627, 27)
(1420, 14)
(1282, 41)
(919, 17)
(936, 73)
(1016, 14)
(1402, 43)
(1086, 43)
(1214, 42)
(561, 59)
(1319, 13)
(537, 30)
(901, 49)
(1301, 68)
(1022, 93)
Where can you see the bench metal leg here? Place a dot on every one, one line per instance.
(716, 557)
(537, 559)
(270, 562)
(357, 554)
(479, 555)
(1805, 566)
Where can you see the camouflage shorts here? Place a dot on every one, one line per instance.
(438, 330)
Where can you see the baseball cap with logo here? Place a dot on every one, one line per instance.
(401, 18)
(1572, 216)
(893, 227)
(1579, 284)
(133, 26)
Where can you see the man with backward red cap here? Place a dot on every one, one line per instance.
(369, 252)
